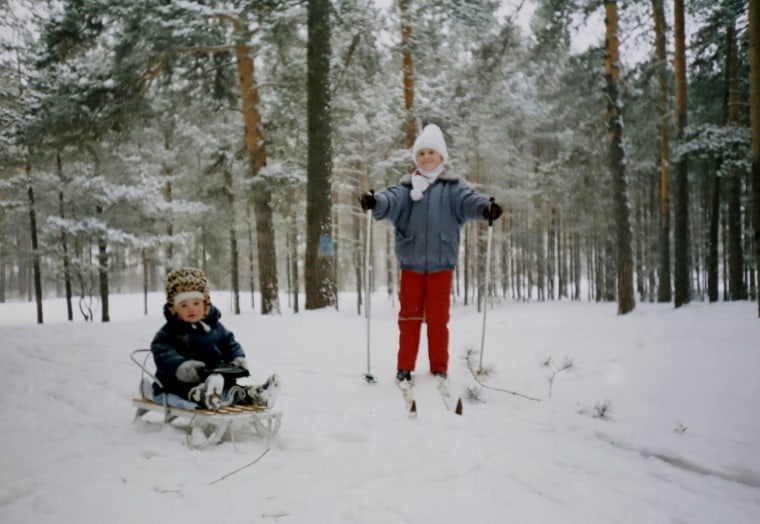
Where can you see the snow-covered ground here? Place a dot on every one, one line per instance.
(680, 442)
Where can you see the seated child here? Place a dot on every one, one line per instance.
(193, 343)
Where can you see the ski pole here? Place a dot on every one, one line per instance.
(368, 377)
(485, 291)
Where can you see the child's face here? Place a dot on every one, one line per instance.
(428, 159)
(190, 310)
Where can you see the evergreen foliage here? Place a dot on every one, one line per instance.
(128, 114)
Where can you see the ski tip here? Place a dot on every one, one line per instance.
(458, 409)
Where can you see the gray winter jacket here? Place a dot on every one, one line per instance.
(427, 231)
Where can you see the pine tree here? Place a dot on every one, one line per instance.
(320, 245)
(754, 97)
(617, 159)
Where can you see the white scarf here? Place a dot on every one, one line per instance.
(422, 179)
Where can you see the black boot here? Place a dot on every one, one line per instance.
(404, 378)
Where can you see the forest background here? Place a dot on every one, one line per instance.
(236, 136)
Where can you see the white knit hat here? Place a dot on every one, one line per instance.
(431, 138)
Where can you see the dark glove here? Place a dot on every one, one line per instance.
(189, 371)
(368, 201)
(492, 211)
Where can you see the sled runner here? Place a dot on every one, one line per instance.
(205, 427)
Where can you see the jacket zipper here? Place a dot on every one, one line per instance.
(427, 228)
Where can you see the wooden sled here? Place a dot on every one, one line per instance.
(205, 427)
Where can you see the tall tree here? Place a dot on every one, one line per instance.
(410, 122)
(64, 239)
(37, 274)
(754, 104)
(664, 293)
(617, 161)
(256, 153)
(319, 275)
(682, 262)
(736, 285)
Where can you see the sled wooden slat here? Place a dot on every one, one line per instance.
(226, 411)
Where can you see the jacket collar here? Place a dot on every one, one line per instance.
(446, 176)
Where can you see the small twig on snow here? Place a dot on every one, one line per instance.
(240, 468)
(470, 365)
(567, 364)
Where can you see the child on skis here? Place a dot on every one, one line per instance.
(196, 357)
(427, 209)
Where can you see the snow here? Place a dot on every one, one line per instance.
(679, 444)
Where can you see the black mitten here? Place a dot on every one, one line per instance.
(492, 211)
(368, 201)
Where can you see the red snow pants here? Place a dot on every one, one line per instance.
(424, 296)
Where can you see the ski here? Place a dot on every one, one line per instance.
(407, 391)
(448, 401)
(408, 394)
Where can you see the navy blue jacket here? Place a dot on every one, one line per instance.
(178, 341)
(427, 230)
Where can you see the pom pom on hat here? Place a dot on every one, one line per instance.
(431, 138)
(184, 283)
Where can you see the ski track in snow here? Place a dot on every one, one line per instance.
(679, 445)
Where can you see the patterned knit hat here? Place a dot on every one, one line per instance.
(185, 283)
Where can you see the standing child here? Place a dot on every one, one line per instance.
(193, 344)
(428, 209)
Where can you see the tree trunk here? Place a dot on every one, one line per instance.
(168, 197)
(35, 247)
(640, 258)
(564, 260)
(359, 229)
(64, 243)
(234, 271)
(713, 293)
(295, 282)
(540, 250)
(335, 231)
(506, 246)
(146, 278)
(261, 194)
(625, 289)
(103, 285)
(682, 266)
(3, 281)
(664, 293)
(410, 124)
(551, 252)
(466, 265)
(736, 284)
(251, 265)
(754, 104)
(319, 275)
(576, 266)
(358, 259)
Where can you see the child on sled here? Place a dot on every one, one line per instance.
(196, 357)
